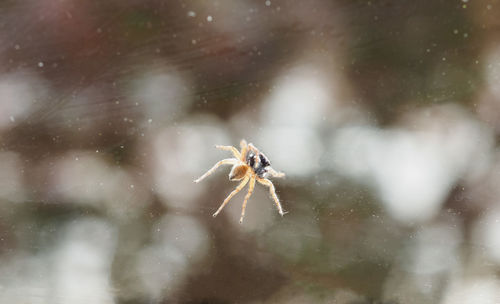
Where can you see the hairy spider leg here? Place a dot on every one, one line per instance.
(272, 191)
(250, 190)
(275, 173)
(227, 161)
(244, 149)
(236, 190)
(235, 151)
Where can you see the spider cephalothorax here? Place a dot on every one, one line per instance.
(249, 165)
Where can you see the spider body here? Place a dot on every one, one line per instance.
(249, 165)
(259, 163)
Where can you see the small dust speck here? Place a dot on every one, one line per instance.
(40, 64)
(210, 18)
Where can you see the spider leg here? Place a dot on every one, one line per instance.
(275, 173)
(235, 151)
(250, 190)
(227, 161)
(236, 190)
(272, 191)
(243, 143)
(244, 149)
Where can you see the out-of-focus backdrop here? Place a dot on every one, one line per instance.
(385, 116)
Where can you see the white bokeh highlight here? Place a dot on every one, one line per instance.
(12, 186)
(183, 153)
(86, 178)
(299, 103)
(413, 170)
(19, 94)
(178, 242)
(436, 250)
(486, 235)
(163, 93)
(82, 263)
(301, 98)
(478, 289)
(294, 150)
(23, 278)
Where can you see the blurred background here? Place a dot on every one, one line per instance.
(385, 116)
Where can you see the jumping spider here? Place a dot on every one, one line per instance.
(249, 164)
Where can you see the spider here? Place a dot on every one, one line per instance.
(249, 165)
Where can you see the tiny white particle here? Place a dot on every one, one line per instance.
(210, 18)
(268, 3)
(191, 14)
(132, 186)
(40, 64)
(12, 118)
(17, 47)
(76, 158)
(193, 41)
(150, 120)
